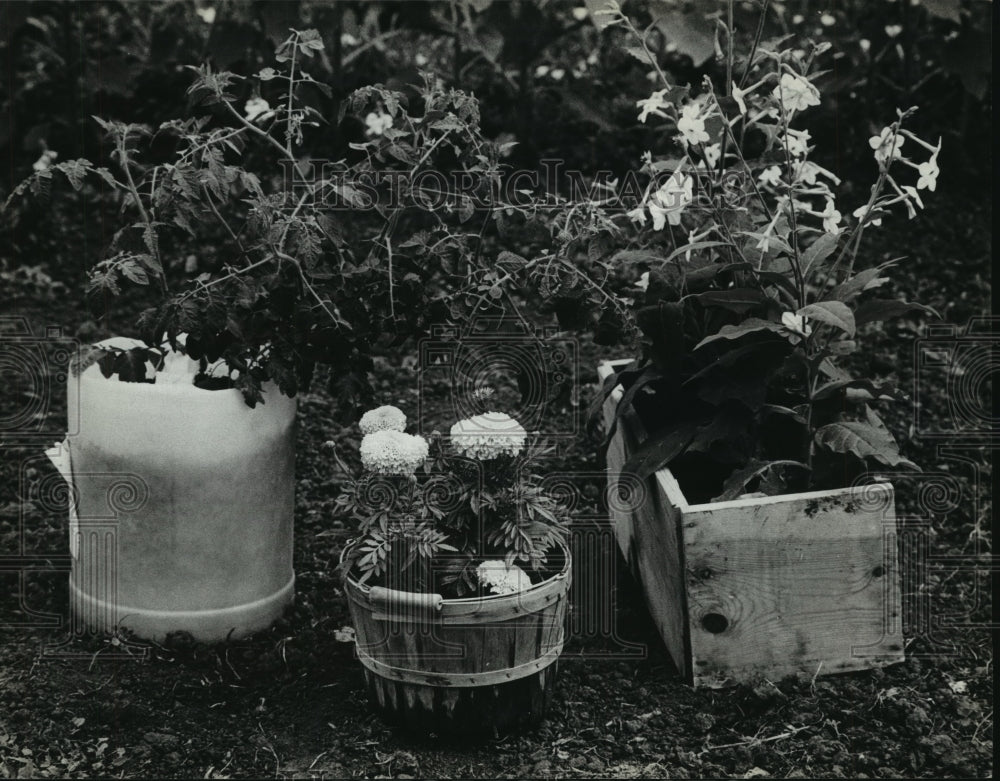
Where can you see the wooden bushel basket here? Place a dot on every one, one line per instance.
(475, 666)
(760, 587)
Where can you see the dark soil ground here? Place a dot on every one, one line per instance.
(291, 701)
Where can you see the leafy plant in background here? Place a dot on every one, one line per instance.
(456, 515)
(753, 293)
(320, 261)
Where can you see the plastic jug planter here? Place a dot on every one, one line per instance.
(475, 666)
(798, 584)
(184, 507)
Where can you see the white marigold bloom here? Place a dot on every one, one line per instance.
(496, 576)
(796, 93)
(488, 436)
(385, 418)
(378, 123)
(256, 108)
(692, 126)
(654, 104)
(886, 145)
(393, 452)
(671, 199)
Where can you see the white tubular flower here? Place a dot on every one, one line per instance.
(256, 108)
(495, 575)
(637, 215)
(893, 30)
(807, 171)
(393, 452)
(796, 93)
(738, 96)
(885, 147)
(798, 142)
(670, 200)
(770, 176)
(207, 14)
(385, 418)
(44, 162)
(488, 436)
(654, 104)
(377, 122)
(692, 126)
(643, 283)
(861, 211)
(712, 154)
(928, 175)
(796, 324)
(831, 217)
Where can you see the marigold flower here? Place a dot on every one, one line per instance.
(393, 452)
(488, 436)
(384, 418)
(501, 579)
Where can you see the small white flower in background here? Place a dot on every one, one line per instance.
(831, 217)
(798, 19)
(542, 71)
(796, 93)
(207, 14)
(393, 452)
(807, 171)
(384, 418)
(958, 687)
(638, 215)
(892, 30)
(860, 212)
(378, 122)
(421, 60)
(712, 154)
(827, 20)
(500, 579)
(691, 125)
(796, 324)
(770, 176)
(44, 162)
(798, 142)
(910, 197)
(557, 74)
(865, 45)
(643, 283)
(885, 146)
(738, 96)
(580, 13)
(346, 39)
(671, 199)
(928, 175)
(344, 635)
(653, 105)
(256, 108)
(488, 436)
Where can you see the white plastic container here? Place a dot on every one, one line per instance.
(185, 501)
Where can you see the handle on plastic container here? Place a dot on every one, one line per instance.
(390, 604)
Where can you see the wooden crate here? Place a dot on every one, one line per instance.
(764, 587)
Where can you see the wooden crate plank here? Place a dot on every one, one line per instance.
(791, 587)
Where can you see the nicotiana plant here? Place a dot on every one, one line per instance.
(753, 295)
(267, 261)
(457, 515)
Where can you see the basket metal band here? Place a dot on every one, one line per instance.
(487, 678)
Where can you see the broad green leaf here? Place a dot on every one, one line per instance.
(737, 300)
(864, 280)
(865, 440)
(819, 251)
(878, 310)
(659, 450)
(749, 326)
(737, 482)
(833, 313)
